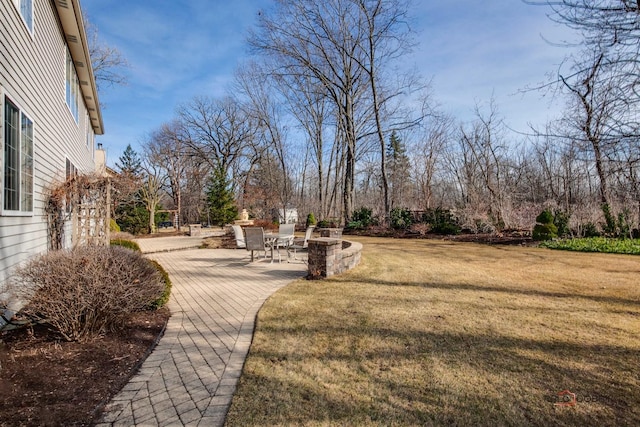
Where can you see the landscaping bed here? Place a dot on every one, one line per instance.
(46, 381)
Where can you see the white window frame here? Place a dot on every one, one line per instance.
(90, 136)
(26, 7)
(72, 87)
(30, 189)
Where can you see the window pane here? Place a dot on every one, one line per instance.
(26, 165)
(26, 10)
(11, 158)
(72, 87)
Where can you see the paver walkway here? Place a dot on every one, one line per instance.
(190, 377)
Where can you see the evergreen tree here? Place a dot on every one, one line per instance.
(398, 167)
(129, 210)
(129, 164)
(220, 200)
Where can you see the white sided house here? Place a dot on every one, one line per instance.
(50, 117)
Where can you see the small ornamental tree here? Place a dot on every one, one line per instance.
(545, 229)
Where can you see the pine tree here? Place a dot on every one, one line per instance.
(129, 210)
(398, 167)
(129, 164)
(220, 200)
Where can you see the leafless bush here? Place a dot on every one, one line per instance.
(122, 235)
(87, 291)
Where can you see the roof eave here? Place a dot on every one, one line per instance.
(70, 16)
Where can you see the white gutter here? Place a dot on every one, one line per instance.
(70, 16)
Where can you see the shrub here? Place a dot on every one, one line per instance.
(545, 228)
(328, 223)
(400, 218)
(590, 230)
(85, 292)
(441, 221)
(609, 227)
(354, 225)
(166, 293)
(311, 219)
(113, 226)
(561, 221)
(129, 244)
(364, 216)
(596, 244)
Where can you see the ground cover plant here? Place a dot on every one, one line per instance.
(596, 244)
(428, 332)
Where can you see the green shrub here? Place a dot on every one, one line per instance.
(545, 217)
(613, 226)
(364, 216)
(596, 244)
(609, 227)
(129, 244)
(442, 221)
(590, 230)
(311, 219)
(545, 229)
(401, 218)
(88, 291)
(113, 226)
(328, 223)
(561, 221)
(355, 225)
(164, 298)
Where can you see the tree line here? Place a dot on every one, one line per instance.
(322, 119)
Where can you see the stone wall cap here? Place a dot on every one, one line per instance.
(324, 241)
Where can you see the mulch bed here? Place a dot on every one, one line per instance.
(48, 382)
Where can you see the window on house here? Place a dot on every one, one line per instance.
(73, 87)
(26, 11)
(18, 160)
(71, 170)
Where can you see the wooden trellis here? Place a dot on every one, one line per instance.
(92, 214)
(86, 201)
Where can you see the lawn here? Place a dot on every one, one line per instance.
(438, 333)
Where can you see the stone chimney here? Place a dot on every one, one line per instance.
(101, 160)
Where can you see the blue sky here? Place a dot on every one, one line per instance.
(471, 50)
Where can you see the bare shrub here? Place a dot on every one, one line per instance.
(88, 291)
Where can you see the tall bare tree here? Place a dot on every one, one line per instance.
(218, 131)
(108, 62)
(320, 40)
(166, 148)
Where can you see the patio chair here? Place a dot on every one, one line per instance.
(285, 237)
(239, 235)
(301, 244)
(255, 241)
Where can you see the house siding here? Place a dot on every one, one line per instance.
(32, 75)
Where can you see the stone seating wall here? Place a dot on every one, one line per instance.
(329, 256)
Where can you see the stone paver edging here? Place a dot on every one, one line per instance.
(190, 377)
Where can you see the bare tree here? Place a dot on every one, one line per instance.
(107, 62)
(320, 40)
(270, 142)
(433, 137)
(151, 190)
(218, 131)
(166, 148)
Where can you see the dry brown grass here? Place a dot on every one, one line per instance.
(438, 333)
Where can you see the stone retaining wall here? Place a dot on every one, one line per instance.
(328, 256)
